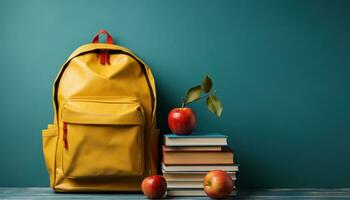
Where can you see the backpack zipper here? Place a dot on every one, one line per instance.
(65, 131)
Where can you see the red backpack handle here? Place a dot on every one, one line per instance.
(102, 31)
(104, 54)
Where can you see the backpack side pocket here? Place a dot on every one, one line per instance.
(49, 139)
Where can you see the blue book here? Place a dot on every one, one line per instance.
(196, 139)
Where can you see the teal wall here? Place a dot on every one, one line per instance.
(281, 69)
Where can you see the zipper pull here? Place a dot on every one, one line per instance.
(107, 57)
(102, 57)
(65, 130)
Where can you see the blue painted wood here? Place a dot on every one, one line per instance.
(263, 194)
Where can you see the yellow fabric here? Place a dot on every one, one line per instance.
(109, 115)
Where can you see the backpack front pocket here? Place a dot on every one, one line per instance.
(102, 138)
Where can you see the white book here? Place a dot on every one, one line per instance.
(199, 168)
(185, 184)
(194, 192)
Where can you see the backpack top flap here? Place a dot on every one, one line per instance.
(110, 47)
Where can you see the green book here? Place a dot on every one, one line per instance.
(196, 139)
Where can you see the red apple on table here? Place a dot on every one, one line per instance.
(218, 184)
(182, 120)
(154, 186)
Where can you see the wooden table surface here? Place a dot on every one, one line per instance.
(261, 194)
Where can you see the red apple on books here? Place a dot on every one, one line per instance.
(218, 184)
(182, 120)
(154, 186)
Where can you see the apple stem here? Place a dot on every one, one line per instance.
(183, 102)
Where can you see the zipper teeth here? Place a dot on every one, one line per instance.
(65, 130)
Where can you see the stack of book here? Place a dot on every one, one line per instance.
(188, 158)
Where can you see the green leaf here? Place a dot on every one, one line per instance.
(207, 84)
(194, 94)
(214, 105)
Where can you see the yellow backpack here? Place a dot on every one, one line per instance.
(104, 136)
